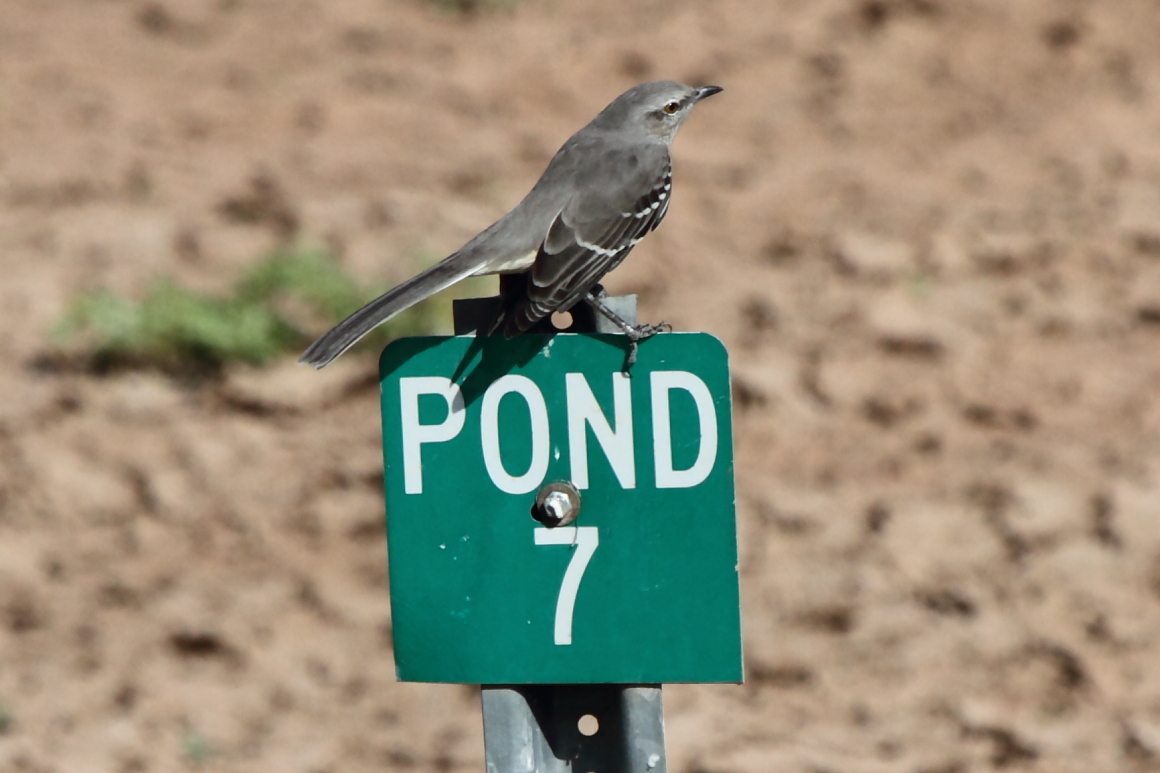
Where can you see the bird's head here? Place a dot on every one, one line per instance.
(658, 107)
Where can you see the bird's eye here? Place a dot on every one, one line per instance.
(672, 107)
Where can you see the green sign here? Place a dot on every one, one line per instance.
(640, 588)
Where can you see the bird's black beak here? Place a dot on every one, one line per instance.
(707, 91)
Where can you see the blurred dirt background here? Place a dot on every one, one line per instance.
(928, 231)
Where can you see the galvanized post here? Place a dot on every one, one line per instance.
(537, 728)
(569, 728)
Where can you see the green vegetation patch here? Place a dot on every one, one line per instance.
(276, 307)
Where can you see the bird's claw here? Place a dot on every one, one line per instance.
(638, 333)
(641, 332)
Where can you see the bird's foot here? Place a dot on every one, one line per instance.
(641, 332)
(638, 333)
(635, 333)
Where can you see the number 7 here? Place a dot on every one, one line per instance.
(584, 539)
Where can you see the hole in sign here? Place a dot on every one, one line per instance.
(562, 320)
(588, 725)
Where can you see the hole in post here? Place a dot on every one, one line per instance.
(562, 320)
(588, 725)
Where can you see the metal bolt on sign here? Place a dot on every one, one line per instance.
(599, 559)
(557, 504)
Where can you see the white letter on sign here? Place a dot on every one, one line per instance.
(416, 434)
(489, 434)
(617, 444)
(662, 382)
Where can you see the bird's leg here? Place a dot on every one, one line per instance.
(635, 333)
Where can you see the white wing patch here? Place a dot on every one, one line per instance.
(606, 252)
(511, 265)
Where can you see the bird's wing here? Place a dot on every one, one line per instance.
(590, 236)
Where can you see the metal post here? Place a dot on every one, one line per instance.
(537, 728)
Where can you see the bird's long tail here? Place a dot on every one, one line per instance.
(348, 332)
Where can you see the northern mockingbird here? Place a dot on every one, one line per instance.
(604, 190)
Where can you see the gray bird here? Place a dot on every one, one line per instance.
(604, 190)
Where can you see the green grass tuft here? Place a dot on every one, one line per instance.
(196, 748)
(276, 307)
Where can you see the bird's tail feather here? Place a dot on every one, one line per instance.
(348, 332)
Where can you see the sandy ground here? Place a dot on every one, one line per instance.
(928, 231)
